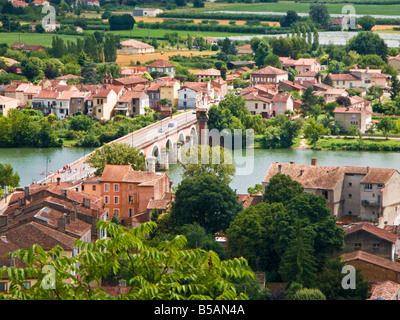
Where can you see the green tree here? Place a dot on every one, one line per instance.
(386, 125)
(366, 22)
(121, 22)
(251, 235)
(313, 130)
(319, 14)
(206, 200)
(89, 73)
(8, 177)
(309, 294)
(117, 154)
(182, 274)
(394, 87)
(298, 262)
(290, 17)
(203, 159)
(281, 189)
(367, 42)
(110, 48)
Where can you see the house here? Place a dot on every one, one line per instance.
(346, 81)
(369, 238)
(132, 71)
(258, 104)
(245, 49)
(281, 103)
(370, 194)
(153, 91)
(48, 215)
(6, 104)
(53, 101)
(169, 89)
(374, 269)
(132, 103)
(130, 82)
(79, 102)
(331, 94)
(19, 4)
(127, 193)
(27, 47)
(211, 40)
(394, 61)
(371, 77)
(387, 290)
(40, 3)
(162, 66)
(268, 75)
(307, 76)
(146, 12)
(358, 112)
(104, 101)
(301, 65)
(211, 73)
(240, 64)
(49, 26)
(133, 46)
(289, 86)
(194, 95)
(220, 88)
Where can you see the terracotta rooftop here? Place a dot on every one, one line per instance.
(131, 80)
(135, 44)
(385, 290)
(209, 72)
(326, 177)
(127, 174)
(370, 228)
(372, 259)
(269, 70)
(161, 64)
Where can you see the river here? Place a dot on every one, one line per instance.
(29, 163)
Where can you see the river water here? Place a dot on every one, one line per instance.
(30, 163)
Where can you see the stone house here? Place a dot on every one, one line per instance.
(268, 75)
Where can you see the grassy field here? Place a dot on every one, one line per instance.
(304, 8)
(354, 144)
(43, 39)
(126, 59)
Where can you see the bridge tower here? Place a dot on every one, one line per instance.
(202, 119)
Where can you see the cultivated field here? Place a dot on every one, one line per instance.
(223, 22)
(126, 59)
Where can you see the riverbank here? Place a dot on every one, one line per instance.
(357, 144)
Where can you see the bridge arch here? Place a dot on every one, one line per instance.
(193, 132)
(181, 137)
(170, 152)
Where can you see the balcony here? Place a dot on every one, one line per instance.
(370, 203)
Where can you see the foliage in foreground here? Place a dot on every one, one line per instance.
(166, 272)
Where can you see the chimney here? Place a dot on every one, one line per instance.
(279, 168)
(367, 169)
(314, 161)
(61, 223)
(27, 191)
(65, 192)
(58, 181)
(301, 172)
(74, 212)
(291, 162)
(86, 203)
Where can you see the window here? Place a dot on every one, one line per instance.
(380, 185)
(130, 198)
(368, 187)
(116, 200)
(357, 246)
(106, 187)
(3, 286)
(106, 199)
(93, 188)
(99, 111)
(375, 245)
(130, 212)
(116, 187)
(350, 195)
(131, 187)
(350, 184)
(116, 212)
(256, 105)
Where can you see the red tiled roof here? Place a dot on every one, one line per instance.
(269, 70)
(372, 259)
(161, 64)
(385, 290)
(368, 227)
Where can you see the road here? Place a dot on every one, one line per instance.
(79, 169)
